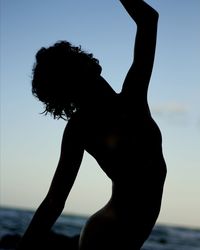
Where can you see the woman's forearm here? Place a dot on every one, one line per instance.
(140, 11)
(40, 226)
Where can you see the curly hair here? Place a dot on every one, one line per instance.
(57, 72)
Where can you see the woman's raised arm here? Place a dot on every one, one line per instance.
(137, 80)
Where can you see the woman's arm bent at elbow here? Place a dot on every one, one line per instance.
(136, 83)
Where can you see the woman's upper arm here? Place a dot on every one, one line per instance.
(69, 163)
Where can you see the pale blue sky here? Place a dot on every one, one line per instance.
(30, 143)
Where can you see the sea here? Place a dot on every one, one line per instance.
(163, 237)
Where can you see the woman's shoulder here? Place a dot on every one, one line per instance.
(73, 126)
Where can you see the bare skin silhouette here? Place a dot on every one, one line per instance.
(117, 129)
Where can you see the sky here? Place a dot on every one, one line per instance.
(30, 142)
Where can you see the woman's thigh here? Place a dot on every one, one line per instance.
(105, 231)
(101, 232)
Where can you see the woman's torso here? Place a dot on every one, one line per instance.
(124, 142)
(127, 146)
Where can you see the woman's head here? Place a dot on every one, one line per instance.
(60, 74)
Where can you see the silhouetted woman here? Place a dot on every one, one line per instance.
(115, 128)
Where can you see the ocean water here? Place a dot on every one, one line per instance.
(163, 237)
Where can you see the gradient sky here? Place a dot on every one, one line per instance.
(30, 143)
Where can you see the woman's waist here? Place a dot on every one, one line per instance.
(131, 169)
(130, 197)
